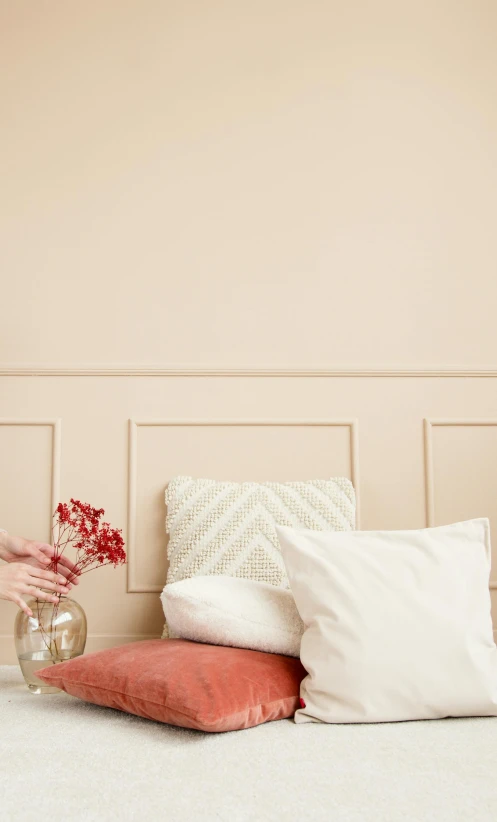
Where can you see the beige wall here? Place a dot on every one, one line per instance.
(222, 188)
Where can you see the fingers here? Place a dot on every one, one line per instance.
(37, 593)
(47, 579)
(23, 580)
(63, 560)
(57, 588)
(37, 550)
(45, 554)
(65, 566)
(47, 549)
(68, 575)
(22, 605)
(69, 569)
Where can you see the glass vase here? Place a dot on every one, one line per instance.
(55, 633)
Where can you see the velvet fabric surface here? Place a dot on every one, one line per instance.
(205, 687)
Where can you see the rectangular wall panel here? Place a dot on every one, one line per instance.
(461, 473)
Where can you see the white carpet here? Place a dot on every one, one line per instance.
(64, 759)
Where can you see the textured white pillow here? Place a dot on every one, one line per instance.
(397, 623)
(228, 528)
(242, 613)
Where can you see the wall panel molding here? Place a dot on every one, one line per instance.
(133, 585)
(133, 370)
(56, 426)
(429, 425)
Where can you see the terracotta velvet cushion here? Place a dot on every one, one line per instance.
(207, 687)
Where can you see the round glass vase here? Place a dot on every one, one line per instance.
(55, 633)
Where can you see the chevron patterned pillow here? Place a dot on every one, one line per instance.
(229, 527)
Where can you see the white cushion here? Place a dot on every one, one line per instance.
(223, 610)
(397, 623)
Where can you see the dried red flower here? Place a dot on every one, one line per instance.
(96, 543)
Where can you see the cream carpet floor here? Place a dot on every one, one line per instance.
(63, 759)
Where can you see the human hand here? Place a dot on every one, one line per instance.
(19, 580)
(36, 554)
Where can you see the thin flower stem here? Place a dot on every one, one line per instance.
(40, 625)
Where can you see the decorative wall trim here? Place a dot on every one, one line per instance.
(429, 424)
(56, 426)
(352, 424)
(429, 476)
(129, 370)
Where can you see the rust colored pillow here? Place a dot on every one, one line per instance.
(207, 687)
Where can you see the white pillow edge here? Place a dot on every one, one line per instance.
(483, 521)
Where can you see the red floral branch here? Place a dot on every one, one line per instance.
(95, 542)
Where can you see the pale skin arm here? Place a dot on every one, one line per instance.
(26, 573)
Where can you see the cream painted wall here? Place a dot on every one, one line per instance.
(288, 182)
(227, 187)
